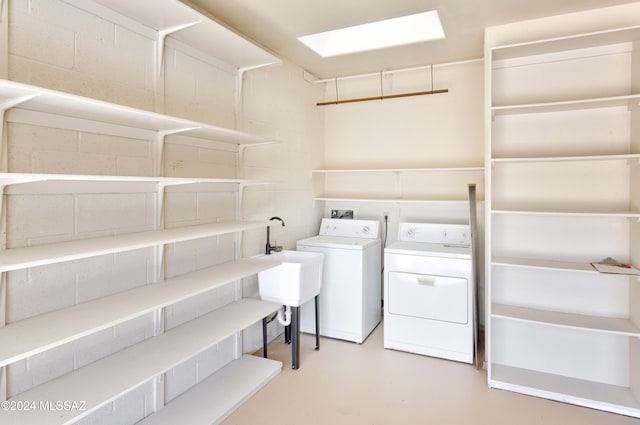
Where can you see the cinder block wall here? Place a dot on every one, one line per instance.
(55, 45)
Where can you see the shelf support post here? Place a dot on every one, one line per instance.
(3, 288)
(4, 36)
(3, 322)
(159, 267)
(158, 154)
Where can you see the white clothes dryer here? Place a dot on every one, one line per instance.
(351, 293)
(428, 291)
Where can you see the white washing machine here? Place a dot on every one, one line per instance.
(350, 297)
(428, 281)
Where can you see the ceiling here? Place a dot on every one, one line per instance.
(276, 24)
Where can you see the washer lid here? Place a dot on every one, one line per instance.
(429, 249)
(338, 242)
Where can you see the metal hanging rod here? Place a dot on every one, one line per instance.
(388, 96)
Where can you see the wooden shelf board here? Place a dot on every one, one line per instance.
(109, 378)
(402, 170)
(543, 264)
(40, 333)
(621, 214)
(612, 157)
(561, 44)
(17, 178)
(561, 388)
(391, 200)
(604, 102)
(18, 258)
(36, 99)
(565, 320)
(212, 400)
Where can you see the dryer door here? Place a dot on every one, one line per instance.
(425, 296)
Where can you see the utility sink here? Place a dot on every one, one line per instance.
(294, 282)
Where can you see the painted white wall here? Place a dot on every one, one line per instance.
(279, 104)
(54, 45)
(440, 130)
(431, 131)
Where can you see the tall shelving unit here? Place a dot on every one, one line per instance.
(95, 385)
(149, 359)
(563, 190)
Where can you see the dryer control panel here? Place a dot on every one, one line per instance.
(367, 229)
(445, 234)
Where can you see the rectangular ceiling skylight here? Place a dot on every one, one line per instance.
(409, 29)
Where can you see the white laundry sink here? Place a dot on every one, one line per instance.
(294, 282)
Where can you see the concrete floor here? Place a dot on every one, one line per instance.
(347, 383)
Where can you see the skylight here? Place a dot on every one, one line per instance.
(409, 29)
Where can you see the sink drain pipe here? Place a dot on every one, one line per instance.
(284, 317)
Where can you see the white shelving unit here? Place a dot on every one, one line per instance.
(46, 331)
(15, 178)
(189, 27)
(167, 23)
(133, 366)
(19, 258)
(242, 379)
(398, 185)
(563, 190)
(27, 103)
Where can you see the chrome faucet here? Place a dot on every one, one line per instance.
(269, 248)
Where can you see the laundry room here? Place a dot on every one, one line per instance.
(210, 218)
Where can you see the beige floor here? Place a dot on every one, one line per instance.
(347, 383)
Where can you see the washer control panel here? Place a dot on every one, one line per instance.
(446, 234)
(367, 229)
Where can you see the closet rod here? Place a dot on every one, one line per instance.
(388, 96)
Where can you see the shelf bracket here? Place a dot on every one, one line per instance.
(158, 166)
(4, 106)
(11, 103)
(159, 219)
(242, 147)
(159, 315)
(161, 36)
